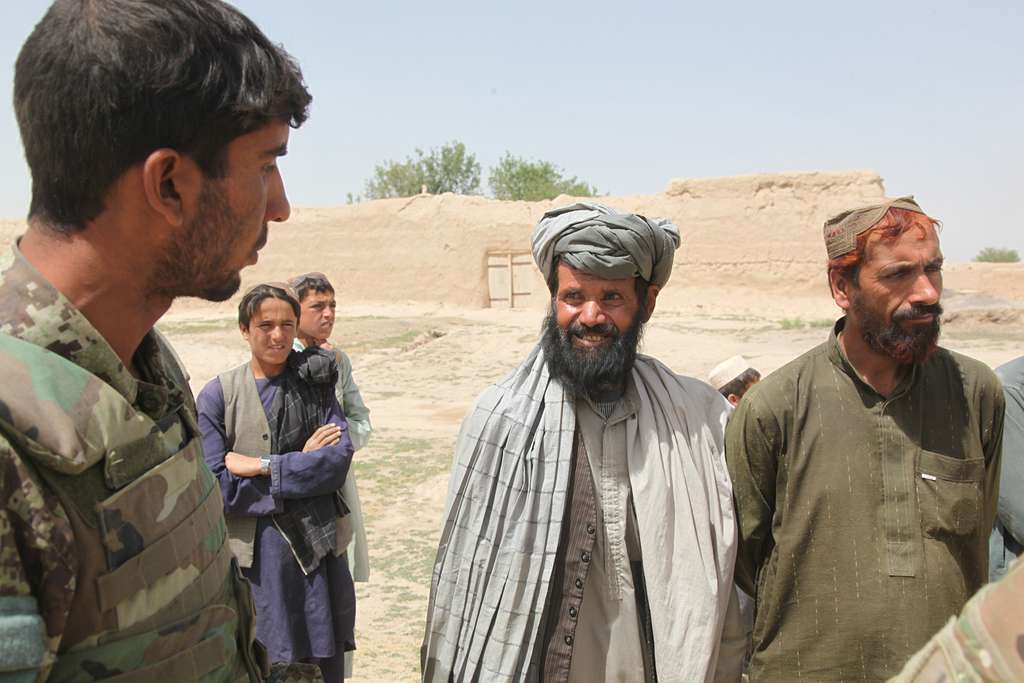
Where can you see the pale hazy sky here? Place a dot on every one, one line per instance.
(627, 95)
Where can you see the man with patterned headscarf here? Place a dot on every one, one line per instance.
(590, 533)
(866, 471)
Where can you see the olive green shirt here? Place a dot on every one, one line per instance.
(863, 519)
(982, 645)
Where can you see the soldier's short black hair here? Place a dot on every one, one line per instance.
(100, 84)
(252, 299)
(740, 384)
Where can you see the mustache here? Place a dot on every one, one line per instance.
(917, 311)
(578, 329)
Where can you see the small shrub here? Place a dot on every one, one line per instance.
(792, 324)
(997, 255)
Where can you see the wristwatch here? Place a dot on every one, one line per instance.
(265, 467)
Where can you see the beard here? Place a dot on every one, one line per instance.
(590, 372)
(906, 348)
(197, 263)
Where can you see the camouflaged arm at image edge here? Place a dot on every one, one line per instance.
(21, 639)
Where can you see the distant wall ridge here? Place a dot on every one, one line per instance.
(819, 181)
(758, 230)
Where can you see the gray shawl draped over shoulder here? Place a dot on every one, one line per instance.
(506, 502)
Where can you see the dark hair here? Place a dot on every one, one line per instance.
(311, 282)
(100, 84)
(252, 299)
(640, 285)
(740, 384)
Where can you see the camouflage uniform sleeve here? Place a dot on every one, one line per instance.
(37, 571)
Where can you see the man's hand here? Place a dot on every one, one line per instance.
(242, 465)
(328, 435)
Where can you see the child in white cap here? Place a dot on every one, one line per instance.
(733, 377)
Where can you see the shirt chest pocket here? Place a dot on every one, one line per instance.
(949, 494)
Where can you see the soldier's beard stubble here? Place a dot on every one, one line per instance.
(197, 264)
(593, 372)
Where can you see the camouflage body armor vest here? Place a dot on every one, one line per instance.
(158, 597)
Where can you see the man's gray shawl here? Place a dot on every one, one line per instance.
(603, 242)
(506, 502)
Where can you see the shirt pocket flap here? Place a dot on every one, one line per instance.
(938, 466)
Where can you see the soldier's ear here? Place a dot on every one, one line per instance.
(171, 182)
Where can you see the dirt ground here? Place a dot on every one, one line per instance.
(419, 368)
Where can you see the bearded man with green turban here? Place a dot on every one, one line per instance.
(590, 533)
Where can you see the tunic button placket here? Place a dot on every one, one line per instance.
(581, 532)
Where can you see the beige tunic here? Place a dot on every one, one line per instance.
(608, 642)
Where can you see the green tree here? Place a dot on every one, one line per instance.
(516, 178)
(447, 169)
(997, 255)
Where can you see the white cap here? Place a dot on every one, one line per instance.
(727, 371)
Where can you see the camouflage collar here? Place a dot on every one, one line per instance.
(34, 310)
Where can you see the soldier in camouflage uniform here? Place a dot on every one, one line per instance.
(151, 130)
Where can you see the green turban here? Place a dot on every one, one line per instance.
(601, 241)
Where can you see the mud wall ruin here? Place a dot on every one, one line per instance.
(765, 228)
(761, 230)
